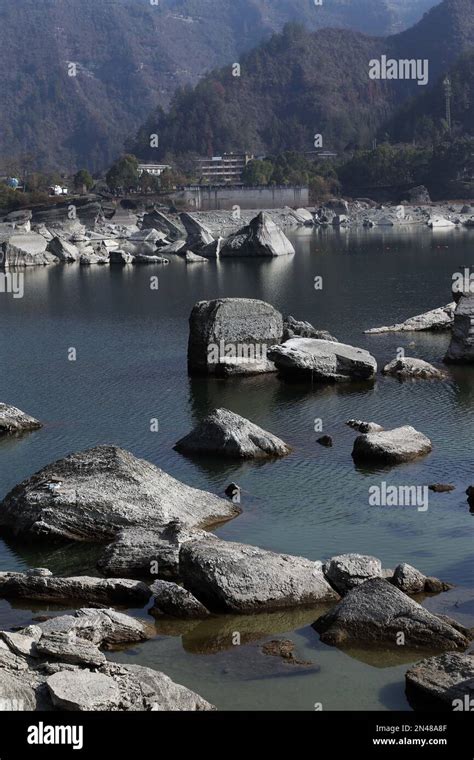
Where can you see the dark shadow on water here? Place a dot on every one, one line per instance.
(70, 558)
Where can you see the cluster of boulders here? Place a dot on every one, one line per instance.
(85, 235)
(151, 526)
(59, 664)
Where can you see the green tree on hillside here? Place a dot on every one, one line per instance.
(123, 174)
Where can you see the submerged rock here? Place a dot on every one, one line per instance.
(176, 601)
(232, 332)
(261, 237)
(91, 495)
(228, 434)
(377, 612)
(436, 319)
(232, 577)
(461, 348)
(13, 420)
(322, 361)
(445, 682)
(412, 368)
(193, 258)
(392, 446)
(47, 588)
(364, 427)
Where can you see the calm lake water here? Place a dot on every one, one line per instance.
(131, 367)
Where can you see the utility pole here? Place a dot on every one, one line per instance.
(448, 94)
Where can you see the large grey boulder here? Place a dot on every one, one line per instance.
(232, 333)
(445, 682)
(175, 601)
(65, 671)
(47, 588)
(157, 220)
(346, 571)
(232, 577)
(63, 250)
(13, 420)
(138, 553)
(410, 368)
(377, 612)
(294, 328)
(91, 495)
(391, 446)
(198, 235)
(436, 319)
(261, 237)
(228, 434)
(24, 250)
(322, 361)
(461, 348)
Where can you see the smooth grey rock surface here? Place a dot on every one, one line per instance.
(91, 495)
(262, 237)
(232, 577)
(198, 235)
(228, 434)
(392, 446)
(322, 361)
(242, 327)
(63, 250)
(24, 250)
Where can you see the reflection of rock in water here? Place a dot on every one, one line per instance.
(62, 559)
(224, 632)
